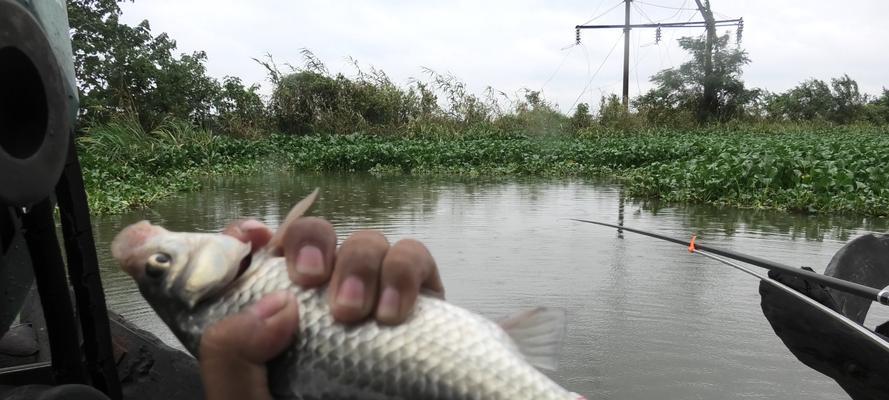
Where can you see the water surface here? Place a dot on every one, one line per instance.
(646, 320)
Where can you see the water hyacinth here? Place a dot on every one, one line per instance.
(842, 170)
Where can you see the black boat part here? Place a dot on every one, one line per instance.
(880, 296)
(822, 343)
(38, 171)
(877, 339)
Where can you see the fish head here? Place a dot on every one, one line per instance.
(177, 267)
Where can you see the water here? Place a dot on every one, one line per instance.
(647, 320)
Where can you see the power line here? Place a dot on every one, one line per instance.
(604, 13)
(673, 34)
(679, 9)
(558, 68)
(642, 13)
(596, 73)
(709, 22)
(667, 7)
(636, 68)
(690, 24)
(598, 5)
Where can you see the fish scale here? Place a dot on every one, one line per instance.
(440, 352)
(193, 280)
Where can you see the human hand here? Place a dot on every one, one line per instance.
(366, 277)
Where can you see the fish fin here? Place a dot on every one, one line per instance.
(297, 211)
(538, 334)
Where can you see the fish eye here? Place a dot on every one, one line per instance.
(157, 264)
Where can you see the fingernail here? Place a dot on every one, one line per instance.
(351, 293)
(310, 261)
(390, 302)
(251, 224)
(270, 304)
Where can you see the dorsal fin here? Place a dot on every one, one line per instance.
(538, 334)
(297, 211)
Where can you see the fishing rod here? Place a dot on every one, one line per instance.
(876, 339)
(867, 292)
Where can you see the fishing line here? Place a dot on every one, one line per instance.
(879, 341)
(867, 292)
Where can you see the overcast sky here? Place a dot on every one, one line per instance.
(515, 44)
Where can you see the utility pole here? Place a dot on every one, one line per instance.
(626, 94)
(709, 23)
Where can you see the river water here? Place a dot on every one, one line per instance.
(646, 319)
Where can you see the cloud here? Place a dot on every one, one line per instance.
(511, 45)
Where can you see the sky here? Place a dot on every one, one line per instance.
(511, 45)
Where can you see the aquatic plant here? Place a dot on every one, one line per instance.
(840, 170)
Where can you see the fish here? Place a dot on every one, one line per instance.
(441, 351)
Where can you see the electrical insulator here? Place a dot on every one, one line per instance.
(740, 31)
(657, 35)
(577, 35)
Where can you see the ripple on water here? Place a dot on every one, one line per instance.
(646, 319)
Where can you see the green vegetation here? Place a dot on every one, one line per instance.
(841, 170)
(809, 170)
(125, 166)
(153, 123)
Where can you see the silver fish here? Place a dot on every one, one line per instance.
(441, 352)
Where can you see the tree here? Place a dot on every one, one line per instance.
(240, 110)
(877, 110)
(682, 89)
(709, 105)
(127, 69)
(814, 100)
(848, 102)
(581, 118)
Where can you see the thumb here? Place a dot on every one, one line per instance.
(255, 335)
(233, 351)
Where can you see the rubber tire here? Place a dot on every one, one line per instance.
(35, 125)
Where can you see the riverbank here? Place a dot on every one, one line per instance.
(812, 170)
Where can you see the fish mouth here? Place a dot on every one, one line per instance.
(243, 266)
(212, 265)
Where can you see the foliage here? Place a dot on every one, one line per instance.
(682, 89)
(125, 166)
(877, 111)
(240, 110)
(124, 69)
(613, 116)
(840, 102)
(532, 115)
(581, 119)
(795, 167)
(155, 123)
(837, 171)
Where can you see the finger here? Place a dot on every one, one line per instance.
(249, 231)
(355, 281)
(309, 246)
(255, 335)
(406, 269)
(233, 352)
